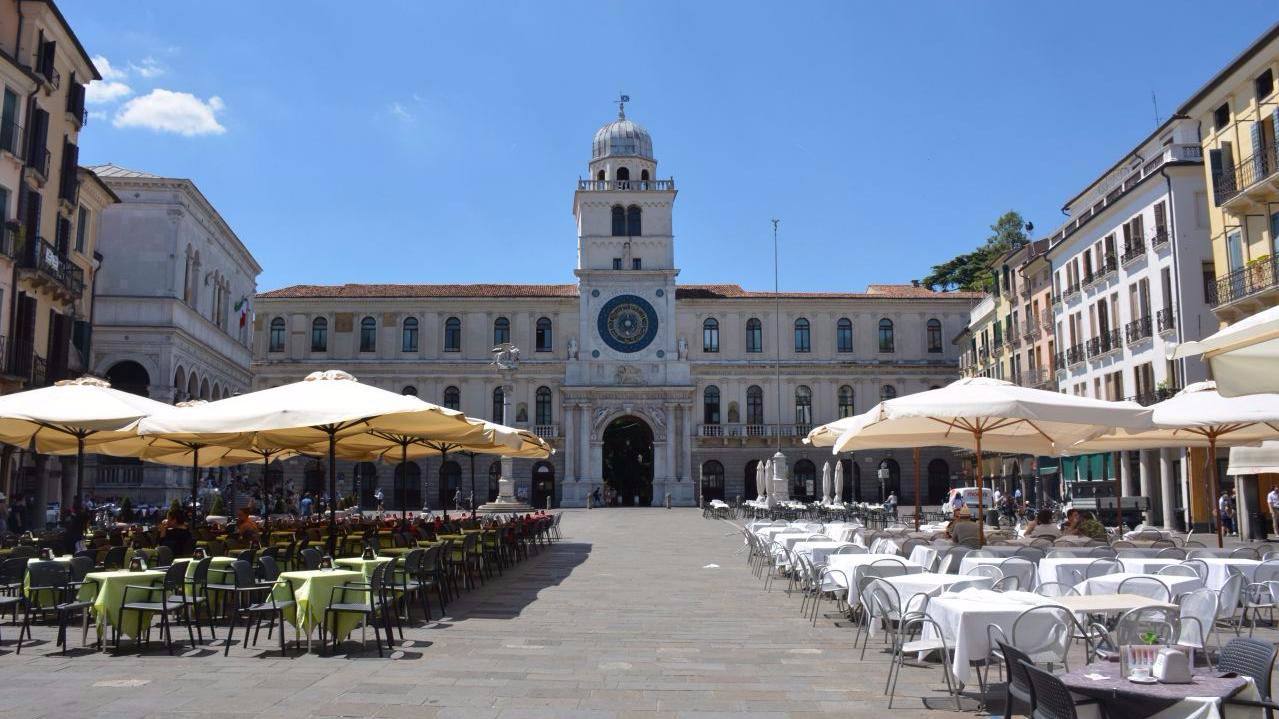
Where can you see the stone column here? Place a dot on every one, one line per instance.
(779, 488)
(570, 442)
(1125, 475)
(669, 409)
(1167, 491)
(1143, 470)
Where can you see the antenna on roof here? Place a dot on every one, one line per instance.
(1155, 102)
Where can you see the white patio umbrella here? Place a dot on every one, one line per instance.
(1198, 416)
(1244, 356)
(322, 410)
(70, 416)
(978, 412)
(826, 483)
(839, 483)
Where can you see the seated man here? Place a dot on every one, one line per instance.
(1042, 525)
(961, 527)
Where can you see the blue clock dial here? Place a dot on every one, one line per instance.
(627, 323)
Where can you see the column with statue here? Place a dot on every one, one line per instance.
(506, 360)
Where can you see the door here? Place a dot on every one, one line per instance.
(543, 485)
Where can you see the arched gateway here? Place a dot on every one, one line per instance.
(628, 461)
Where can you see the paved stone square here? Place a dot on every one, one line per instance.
(635, 613)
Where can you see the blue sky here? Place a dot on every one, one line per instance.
(431, 142)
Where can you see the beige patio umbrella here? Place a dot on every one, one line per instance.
(1244, 356)
(1198, 416)
(323, 409)
(70, 416)
(978, 412)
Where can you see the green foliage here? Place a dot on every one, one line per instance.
(175, 506)
(126, 510)
(971, 270)
(219, 506)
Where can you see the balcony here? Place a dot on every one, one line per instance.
(1133, 251)
(626, 185)
(997, 349)
(794, 432)
(1075, 355)
(1031, 333)
(1059, 361)
(1250, 183)
(1164, 320)
(1108, 267)
(546, 431)
(38, 162)
(1072, 290)
(1250, 282)
(11, 138)
(1160, 239)
(51, 270)
(1035, 378)
(1103, 343)
(21, 361)
(1138, 329)
(9, 239)
(1147, 398)
(1012, 341)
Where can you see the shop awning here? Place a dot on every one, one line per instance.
(1254, 460)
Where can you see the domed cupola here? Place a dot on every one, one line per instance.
(621, 138)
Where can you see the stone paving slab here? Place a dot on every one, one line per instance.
(622, 619)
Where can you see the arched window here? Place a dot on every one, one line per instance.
(497, 404)
(710, 335)
(452, 335)
(319, 334)
(368, 334)
(844, 335)
(643, 175)
(276, 343)
(710, 405)
(600, 176)
(934, 335)
(712, 480)
(179, 384)
(886, 335)
(623, 174)
(501, 331)
(803, 484)
(754, 335)
(409, 391)
(408, 337)
(543, 342)
(450, 482)
(887, 392)
(846, 401)
(619, 221)
(802, 339)
(803, 405)
(633, 221)
(754, 406)
(542, 406)
(453, 398)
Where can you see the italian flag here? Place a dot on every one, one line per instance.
(243, 308)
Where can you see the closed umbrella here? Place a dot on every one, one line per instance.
(839, 483)
(322, 410)
(759, 481)
(1199, 416)
(1243, 356)
(70, 416)
(978, 412)
(826, 483)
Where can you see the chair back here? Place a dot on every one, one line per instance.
(1100, 567)
(1134, 623)
(1198, 552)
(270, 569)
(1178, 570)
(244, 576)
(1049, 697)
(1245, 553)
(1267, 571)
(310, 558)
(47, 575)
(175, 578)
(1249, 657)
(1030, 554)
(245, 555)
(80, 566)
(1023, 569)
(1228, 595)
(1171, 553)
(1056, 589)
(430, 561)
(114, 558)
(986, 570)
(850, 549)
(163, 556)
(1018, 679)
(1045, 629)
(1197, 613)
(1146, 587)
(1103, 552)
(24, 551)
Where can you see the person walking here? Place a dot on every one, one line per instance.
(377, 497)
(1272, 499)
(457, 500)
(890, 504)
(1226, 508)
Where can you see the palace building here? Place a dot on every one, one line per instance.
(642, 384)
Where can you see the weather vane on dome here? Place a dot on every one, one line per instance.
(621, 105)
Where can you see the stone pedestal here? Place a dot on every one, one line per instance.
(506, 503)
(779, 483)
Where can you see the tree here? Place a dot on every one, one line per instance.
(971, 270)
(219, 506)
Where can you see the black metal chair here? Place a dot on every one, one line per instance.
(310, 558)
(50, 588)
(114, 558)
(1049, 697)
(1018, 686)
(246, 586)
(163, 557)
(374, 609)
(431, 577)
(172, 590)
(1250, 658)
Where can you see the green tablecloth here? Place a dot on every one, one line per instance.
(45, 598)
(363, 566)
(110, 595)
(214, 563)
(312, 589)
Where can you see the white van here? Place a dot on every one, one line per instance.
(970, 497)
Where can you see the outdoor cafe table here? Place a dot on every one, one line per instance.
(817, 550)
(361, 565)
(845, 566)
(223, 564)
(312, 589)
(108, 595)
(1118, 697)
(790, 540)
(934, 583)
(46, 599)
(1060, 569)
(1108, 603)
(1109, 583)
(1219, 570)
(963, 618)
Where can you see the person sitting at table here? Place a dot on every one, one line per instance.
(176, 535)
(246, 527)
(961, 527)
(1042, 525)
(1080, 525)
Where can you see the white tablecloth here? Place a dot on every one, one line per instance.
(816, 551)
(933, 584)
(1059, 569)
(1109, 584)
(963, 618)
(1145, 565)
(845, 566)
(842, 531)
(1218, 572)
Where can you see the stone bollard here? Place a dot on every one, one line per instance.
(668, 500)
(548, 502)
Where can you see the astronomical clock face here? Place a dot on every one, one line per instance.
(627, 323)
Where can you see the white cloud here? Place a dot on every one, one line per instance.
(100, 92)
(97, 115)
(167, 111)
(148, 67)
(106, 70)
(400, 112)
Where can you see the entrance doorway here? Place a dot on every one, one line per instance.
(543, 484)
(628, 461)
(938, 481)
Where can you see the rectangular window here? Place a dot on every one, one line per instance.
(10, 132)
(1234, 249)
(1221, 117)
(802, 336)
(543, 335)
(82, 222)
(1264, 85)
(277, 335)
(637, 263)
(617, 263)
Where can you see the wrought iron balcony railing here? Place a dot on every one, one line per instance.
(1138, 329)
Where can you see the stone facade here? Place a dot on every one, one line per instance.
(642, 384)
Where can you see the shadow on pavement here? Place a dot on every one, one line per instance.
(505, 596)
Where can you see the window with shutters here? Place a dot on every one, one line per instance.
(46, 51)
(81, 227)
(62, 241)
(368, 334)
(38, 142)
(75, 100)
(1161, 223)
(69, 183)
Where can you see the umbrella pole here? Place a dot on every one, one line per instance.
(1212, 474)
(195, 482)
(472, 485)
(404, 490)
(1117, 457)
(79, 469)
(917, 489)
(266, 498)
(981, 519)
(333, 494)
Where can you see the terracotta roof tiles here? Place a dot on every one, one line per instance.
(687, 292)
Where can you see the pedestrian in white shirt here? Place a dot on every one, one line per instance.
(1272, 499)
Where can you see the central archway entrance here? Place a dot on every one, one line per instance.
(628, 461)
